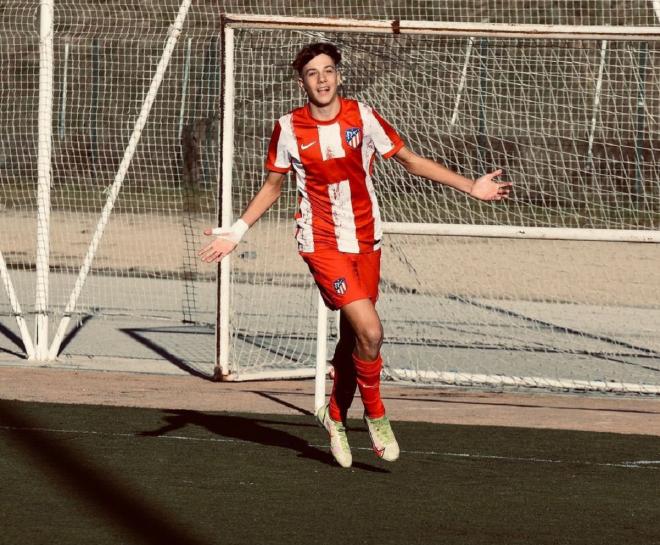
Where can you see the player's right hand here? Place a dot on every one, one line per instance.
(219, 247)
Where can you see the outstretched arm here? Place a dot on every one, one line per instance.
(225, 241)
(484, 188)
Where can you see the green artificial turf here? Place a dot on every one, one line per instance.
(105, 475)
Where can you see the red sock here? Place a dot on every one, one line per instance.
(368, 380)
(343, 390)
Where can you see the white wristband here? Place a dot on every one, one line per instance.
(235, 233)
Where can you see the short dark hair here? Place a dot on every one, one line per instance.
(310, 51)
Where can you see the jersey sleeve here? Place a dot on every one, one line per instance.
(278, 159)
(386, 140)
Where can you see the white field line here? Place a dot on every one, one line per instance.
(626, 464)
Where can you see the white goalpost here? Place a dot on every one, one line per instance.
(551, 297)
(118, 148)
(44, 178)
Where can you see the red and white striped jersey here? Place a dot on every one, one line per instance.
(333, 162)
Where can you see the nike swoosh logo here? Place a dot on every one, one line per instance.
(305, 146)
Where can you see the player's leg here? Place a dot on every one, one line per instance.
(334, 276)
(339, 447)
(363, 319)
(350, 283)
(361, 275)
(366, 325)
(345, 379)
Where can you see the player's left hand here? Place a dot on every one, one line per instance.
(487, 189)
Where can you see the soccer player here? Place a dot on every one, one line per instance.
(331, 143)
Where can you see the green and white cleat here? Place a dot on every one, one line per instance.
(382, 438)
(338, 440)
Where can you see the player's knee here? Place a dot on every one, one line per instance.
(369, 341)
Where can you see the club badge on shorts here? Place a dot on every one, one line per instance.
(340, 286)
(353, 137)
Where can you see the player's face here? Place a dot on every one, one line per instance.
(320, 80)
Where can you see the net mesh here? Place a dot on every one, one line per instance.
(119, 17)
(146, 270)
(572, 124)
(569, 170)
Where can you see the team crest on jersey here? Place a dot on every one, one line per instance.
(340, 286)
(353, 137)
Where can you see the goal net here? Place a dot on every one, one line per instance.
(145, 293)
(573, 122)
(548, 288)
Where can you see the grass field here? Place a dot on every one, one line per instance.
(102, 475)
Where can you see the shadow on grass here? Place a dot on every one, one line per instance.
(278, 400)
(113, 497)
(253, 430)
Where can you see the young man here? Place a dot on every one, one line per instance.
(331, 144)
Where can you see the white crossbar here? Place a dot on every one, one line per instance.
(519, 231)
(443, 28)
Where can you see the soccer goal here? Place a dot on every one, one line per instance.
(556, 288)
(108, 168)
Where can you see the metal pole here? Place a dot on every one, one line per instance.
(63, 90)
(224, 191)
(184, 87)
(520, 231)
(640, 119)
(483, 90)
(45, 137)
(321, 354)
(93, 116)
(461, 83)
(596, 105)
(16, 309)
(444, 28)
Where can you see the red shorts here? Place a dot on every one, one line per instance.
(343, 278)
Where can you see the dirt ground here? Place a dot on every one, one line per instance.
(606, 273)
(615, 414)
(540, 270)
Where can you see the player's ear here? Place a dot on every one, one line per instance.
(300, 83)
(339, 78)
